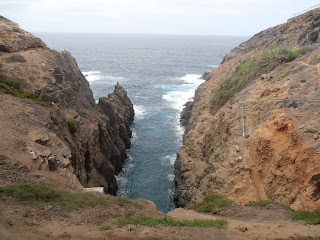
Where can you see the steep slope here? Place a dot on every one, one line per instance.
(262, 140)
(46, 106)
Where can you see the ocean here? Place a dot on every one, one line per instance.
(160, 74)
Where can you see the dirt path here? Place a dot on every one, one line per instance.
(20, 222)
(274, 226)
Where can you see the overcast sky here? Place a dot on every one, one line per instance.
(204, 17)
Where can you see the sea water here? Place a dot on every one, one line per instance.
(160, 74)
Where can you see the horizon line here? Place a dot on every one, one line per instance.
(162, 34)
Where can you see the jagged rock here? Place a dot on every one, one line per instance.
(278, 158)
(95, 151)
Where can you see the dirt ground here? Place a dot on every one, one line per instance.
(48, 223)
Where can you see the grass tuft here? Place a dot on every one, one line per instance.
(210, 201)
(250, 69)
(264, 203)
(73, 127)
(104, 228)
(288, 35)
(12, 87)
(168, 222)
(40, 195)
(309, 217)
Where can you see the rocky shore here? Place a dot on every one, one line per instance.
(47, 107)
(263, 141)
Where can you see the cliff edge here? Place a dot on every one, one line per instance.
(254, 126)
(47, 107)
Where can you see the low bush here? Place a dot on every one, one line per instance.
(264, 203)
(309, 217)
(168, 222)
(73, 127)
(210, 201)
(40, 195)
(12, 87)
(250, 69)
(104, 228)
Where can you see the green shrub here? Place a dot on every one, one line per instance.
(168, 222)
(104, 228)
(309, 217)
(12, 87)
(281, 76)
(250, 69)
(264, 203)
(40, 195)
(210, 201)
(15, 29)
(11, 83)
(73, 127)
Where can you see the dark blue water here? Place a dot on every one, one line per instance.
(160, 73)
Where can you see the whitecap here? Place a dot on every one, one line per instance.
(139, 111)
(212, 66)
(134, 137)
(192, 78)
(171, 177)
(92, 76)
(168, 160)
(178, 98)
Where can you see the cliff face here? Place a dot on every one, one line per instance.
(69, 133)
(263, 143)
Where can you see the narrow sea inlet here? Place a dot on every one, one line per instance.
(160, 74)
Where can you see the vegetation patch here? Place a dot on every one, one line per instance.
(168, 222)
(264, 203)
(104, 228)
(15, 29)
(41, 194)
(309, 217)
(15, 58)
(73, 127)
(250, 69)
(12, 87)
(281, 76)
(288, 35)
(210, 201)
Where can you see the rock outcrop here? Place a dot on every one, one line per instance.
(264, 142)
(70, 134)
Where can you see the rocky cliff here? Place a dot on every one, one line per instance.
(253, 130)
(46, 106)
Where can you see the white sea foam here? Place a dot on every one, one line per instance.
(171, 177)
(185, 92)
(93, 76)
(139, 111)
(122, 180)
(213, 66)
(168, 160)
(134, 137)
(178, 98)
(192, 78)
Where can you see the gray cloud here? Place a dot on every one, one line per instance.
(216, 17)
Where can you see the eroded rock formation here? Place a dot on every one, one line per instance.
(264, 142)
(94, 150)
